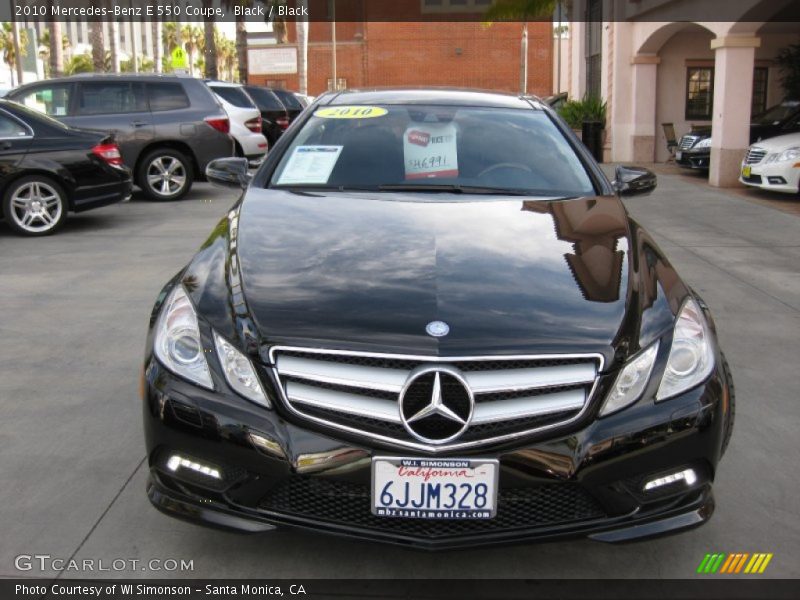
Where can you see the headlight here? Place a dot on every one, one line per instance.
(706, 143)
(691, 357)
(788, 154)
(177, 341)
(239, 372)
(631, 381)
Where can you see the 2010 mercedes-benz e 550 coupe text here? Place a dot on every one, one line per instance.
(430, 321)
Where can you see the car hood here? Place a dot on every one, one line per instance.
(368, 272)
(779, 143)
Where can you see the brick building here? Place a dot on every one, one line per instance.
(373, 53)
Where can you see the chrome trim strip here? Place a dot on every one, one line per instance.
(530, 406)
(512, 380)
(376, 378)
(427, 447)
(375, 408)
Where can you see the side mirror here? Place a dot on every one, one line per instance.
(634, 181)
(228, 172)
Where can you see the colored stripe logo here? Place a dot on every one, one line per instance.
(732, 564)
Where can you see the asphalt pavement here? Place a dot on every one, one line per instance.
(73, 316)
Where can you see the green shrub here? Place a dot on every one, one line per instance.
(590, 108)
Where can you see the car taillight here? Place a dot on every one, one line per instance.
(109, 153)
(219, 123)
(254, 125)
(283, 122)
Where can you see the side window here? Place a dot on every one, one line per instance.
(166, 96)
(52, 100)
(11, 128)
(110, 97)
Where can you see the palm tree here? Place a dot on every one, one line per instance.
(158, 48)
(80, 63)
(192, 40)
(520, 10)
(241, 48)
(171, 36)
(13, 46)
(44, 49)
(97, 40)
(210, 53)
(114, 46)
(15, 34)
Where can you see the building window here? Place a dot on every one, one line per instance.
(699, 92)
(760, 79)
(594, 47)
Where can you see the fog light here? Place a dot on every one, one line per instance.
(688, 475)
(776, 180)
(176, 462)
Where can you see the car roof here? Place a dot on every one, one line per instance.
(101, 76)
(443, 96)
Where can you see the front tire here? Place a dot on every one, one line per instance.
(35, 205)
(165, 174)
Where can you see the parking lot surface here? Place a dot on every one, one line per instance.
(73, 317)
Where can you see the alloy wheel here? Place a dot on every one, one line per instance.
(36, 207)
(166, 176)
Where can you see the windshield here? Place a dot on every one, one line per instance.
(777, 113)
(436, 148)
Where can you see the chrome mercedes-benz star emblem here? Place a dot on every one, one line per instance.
(437, 328)
(436, 404)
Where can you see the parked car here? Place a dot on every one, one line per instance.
(168, 128)
(245, 119)
(773, 164)
(429, 320)
(290, 101)
(48, 169)
(274, 118)
(694, 149)
(304, 99)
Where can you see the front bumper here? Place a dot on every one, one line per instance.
(778, 177)
(694, 159)
(585, 482)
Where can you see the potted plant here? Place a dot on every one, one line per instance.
(590, 109)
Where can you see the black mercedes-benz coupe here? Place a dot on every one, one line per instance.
(429, 320)
(48, 169)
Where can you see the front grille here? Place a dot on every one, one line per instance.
(360, 393)
(754, 156)
(348, 504)
(688, 141)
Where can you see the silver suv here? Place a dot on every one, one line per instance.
(168, 127)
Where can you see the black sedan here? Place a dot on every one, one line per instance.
(430, 321)
(48, 169)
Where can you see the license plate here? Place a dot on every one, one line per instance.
(678, 155)
(746, 171)
(432, 488)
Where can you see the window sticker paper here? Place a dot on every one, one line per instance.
(430, 151)
(310, 164)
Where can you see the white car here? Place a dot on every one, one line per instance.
(773, 164)
(245, 119)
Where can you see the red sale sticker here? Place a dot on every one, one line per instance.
(430, 151)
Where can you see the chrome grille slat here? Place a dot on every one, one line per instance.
(755, 155)
(333, 388)
(688, 141)
(520, 408)
(349, 403)
(512, 380)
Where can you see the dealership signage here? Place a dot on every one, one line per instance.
(272, 61)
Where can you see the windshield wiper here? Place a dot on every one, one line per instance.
(455, 189)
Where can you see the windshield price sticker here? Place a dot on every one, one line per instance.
(434, 488)
(351, 112)
(310, 164)
(430, 150)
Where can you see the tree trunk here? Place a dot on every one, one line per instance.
(241, 49)
(98, 46)
(210, 56)
(158, 47)
(17, 53)
(56, 50)
(114, 45)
